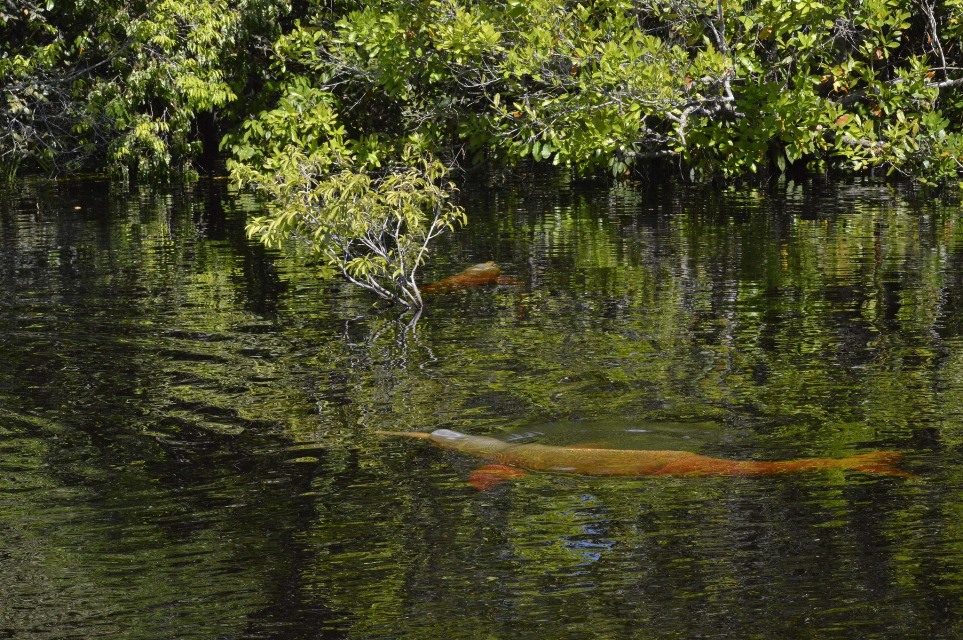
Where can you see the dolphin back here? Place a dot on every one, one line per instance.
(630, 462)
(482, 446)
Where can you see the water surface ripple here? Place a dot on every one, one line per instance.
(187, 422)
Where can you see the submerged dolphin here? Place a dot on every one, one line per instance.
(473, 276)
(511, 458)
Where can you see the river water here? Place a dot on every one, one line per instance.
(187, 422)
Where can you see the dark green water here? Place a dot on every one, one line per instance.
(186, 422)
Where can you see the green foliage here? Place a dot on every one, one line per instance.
(373, 226)
(728, 88)
(117, 85)
(172, 77)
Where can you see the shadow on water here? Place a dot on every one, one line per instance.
(187, 422)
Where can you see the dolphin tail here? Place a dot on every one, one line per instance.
(878, 462)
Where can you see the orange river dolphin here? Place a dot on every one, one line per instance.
(474, 276)
(511, 459)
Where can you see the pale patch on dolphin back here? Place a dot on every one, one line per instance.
(447, 434)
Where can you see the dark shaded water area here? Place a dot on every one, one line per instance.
(187, 444)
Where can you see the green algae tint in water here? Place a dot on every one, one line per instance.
(187, 444)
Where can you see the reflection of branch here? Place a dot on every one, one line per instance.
(406, 323)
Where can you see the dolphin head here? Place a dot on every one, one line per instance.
(475, 445)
